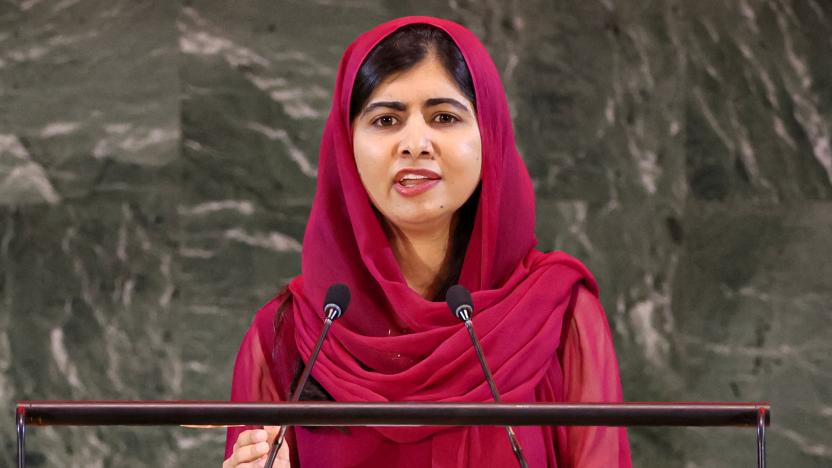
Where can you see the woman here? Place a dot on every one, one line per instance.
(420, 187)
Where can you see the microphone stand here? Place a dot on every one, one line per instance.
(333, 311)
(512, 437)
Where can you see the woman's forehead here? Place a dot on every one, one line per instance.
(425, 80)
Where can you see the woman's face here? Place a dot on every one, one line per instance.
(417, 147)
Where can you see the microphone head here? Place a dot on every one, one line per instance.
(336, 301)
(460, 302)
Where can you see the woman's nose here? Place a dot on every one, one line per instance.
(417, 140)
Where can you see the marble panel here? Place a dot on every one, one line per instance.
(158, 161)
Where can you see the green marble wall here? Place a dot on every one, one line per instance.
(157, 163)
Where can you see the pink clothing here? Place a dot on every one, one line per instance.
(585, 367)
(542, 329)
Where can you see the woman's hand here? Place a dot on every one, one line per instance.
(252, 449)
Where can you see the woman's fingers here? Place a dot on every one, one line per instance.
(272, 432)
(251, 437)
(255, 464)
(252, 447)
(282, 461)
(249, 453)
(282, 457)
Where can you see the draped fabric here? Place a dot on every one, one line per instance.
(543, 332)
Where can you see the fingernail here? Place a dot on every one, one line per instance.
(262, 447)
(260, 436)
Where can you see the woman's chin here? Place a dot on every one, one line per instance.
(421, 221)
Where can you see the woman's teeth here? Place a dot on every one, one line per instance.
(411, 180)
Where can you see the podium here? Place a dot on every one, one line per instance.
(215, 413)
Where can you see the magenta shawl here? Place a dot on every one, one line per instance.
(392, 344)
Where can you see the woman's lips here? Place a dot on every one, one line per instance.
(411, 182)
(416, 189)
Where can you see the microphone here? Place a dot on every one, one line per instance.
(460, 302)
(335, 304)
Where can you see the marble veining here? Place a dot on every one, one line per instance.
(158, 162)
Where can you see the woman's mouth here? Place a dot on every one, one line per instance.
(412, 182)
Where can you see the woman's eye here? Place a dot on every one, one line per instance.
(384, 121)
(445, 118)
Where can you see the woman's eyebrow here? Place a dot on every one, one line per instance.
(443, 100)
(401, 107)
(395, 105)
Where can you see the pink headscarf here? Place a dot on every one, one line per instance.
(520, 294)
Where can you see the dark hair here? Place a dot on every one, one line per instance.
(403, 50)
(398, 53)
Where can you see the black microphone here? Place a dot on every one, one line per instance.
(335, 304)
(461, 304)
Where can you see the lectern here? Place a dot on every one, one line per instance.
(213, 413)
